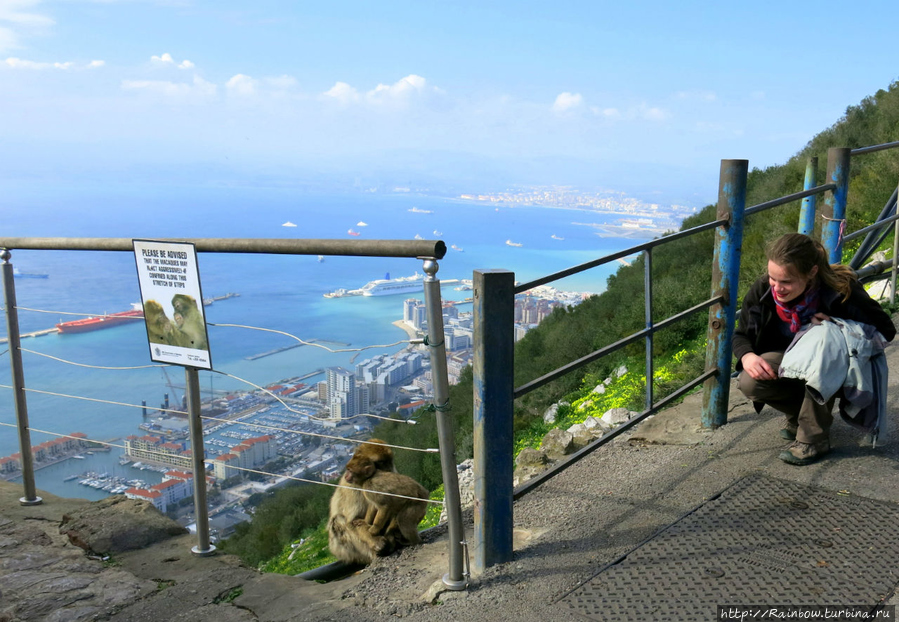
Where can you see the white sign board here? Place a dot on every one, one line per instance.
(173, 303)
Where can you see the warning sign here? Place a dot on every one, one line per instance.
(173, 303)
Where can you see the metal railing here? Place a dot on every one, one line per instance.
(494, 293)
(429, 252)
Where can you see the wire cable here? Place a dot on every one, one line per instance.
(299, 412)
(56, 358)
(308, 343)
(209, 461)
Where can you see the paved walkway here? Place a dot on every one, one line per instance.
(566, 532)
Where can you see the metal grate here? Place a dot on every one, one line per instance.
(763, 541)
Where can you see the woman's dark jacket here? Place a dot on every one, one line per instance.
(760, 329)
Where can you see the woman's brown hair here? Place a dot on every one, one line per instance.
(800, 254)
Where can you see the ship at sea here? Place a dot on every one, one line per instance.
(104, 321)
(383, 287)
(28, 275)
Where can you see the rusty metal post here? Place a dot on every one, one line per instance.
(834, 210)
(725, 279)
(18, 381)
(494, 341)
(807, 211)
(201, 511)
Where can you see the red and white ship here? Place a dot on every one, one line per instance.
(103, 321)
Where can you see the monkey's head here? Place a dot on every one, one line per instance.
(371, 456)
(359, 471)
(183, 303)
(158, 325)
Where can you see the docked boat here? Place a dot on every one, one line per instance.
(89, 324)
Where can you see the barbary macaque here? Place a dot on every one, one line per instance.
(349, 537)
(388, 514)
(159, 327)
(189, 330)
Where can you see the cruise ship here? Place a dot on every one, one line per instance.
(388, 286)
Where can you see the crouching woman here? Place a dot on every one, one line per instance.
(801, 287)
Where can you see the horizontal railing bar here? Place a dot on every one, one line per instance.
(557, 468)
(598, 354)
(788, 198)
(633, 250)
(274, 246)
(877, 225)
(876, 268)
(873, 148)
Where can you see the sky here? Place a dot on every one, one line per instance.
(624, 95)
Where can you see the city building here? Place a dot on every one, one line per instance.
(249, 454)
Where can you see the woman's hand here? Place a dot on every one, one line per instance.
(757, 367)
(820, 318)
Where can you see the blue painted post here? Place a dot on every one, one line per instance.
(725, 280)
(494, 341)
(807, 212)
(834, 210)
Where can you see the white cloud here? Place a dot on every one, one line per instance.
(567, 101)
(198, 87)
(167, 59)
(609, 113)
(19, 63)
(653, 113)
(342, 92)
(241, 85)
(401, 90)
(15, 16)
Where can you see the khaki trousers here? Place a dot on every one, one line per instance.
(789, 396)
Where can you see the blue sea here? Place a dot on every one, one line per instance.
(277, 292)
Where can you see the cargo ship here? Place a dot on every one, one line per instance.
(104, 321)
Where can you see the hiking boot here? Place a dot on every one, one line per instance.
(788, 432)
(801, 454)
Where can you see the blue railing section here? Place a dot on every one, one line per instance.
(493, 362)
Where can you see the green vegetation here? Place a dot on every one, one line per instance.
(681, 278)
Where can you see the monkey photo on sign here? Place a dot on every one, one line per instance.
(189, 331)
(159, 327)
(349, 537)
